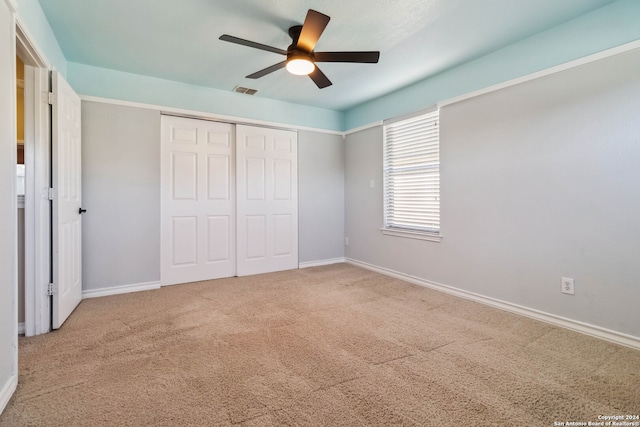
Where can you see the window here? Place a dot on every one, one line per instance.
(412, 177)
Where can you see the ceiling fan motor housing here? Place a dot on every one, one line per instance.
(293, 51)
(294, 33)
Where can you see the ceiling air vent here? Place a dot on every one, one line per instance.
(245, 90)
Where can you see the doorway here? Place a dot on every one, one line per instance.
(35, 150)
(20, 171)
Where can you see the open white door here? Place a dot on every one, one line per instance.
(67, 222)
(267, 180)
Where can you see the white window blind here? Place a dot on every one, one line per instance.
(412, 174)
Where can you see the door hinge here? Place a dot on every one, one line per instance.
(52, 289)
(52, 98)
(51, 194)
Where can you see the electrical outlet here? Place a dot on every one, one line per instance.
(567, 285)
(346, 241)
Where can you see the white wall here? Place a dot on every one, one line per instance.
(538, 181)
(8, 209)
(121, 192)
(321, 196)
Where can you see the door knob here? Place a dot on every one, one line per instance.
(81, 211)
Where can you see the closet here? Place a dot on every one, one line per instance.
(229, 200)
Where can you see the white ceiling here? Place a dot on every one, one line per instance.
(178, 40)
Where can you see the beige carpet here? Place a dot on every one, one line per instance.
(326, 346)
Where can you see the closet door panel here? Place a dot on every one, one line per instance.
(197, 200)
(267, 204)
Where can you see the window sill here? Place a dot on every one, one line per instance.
(420, 235)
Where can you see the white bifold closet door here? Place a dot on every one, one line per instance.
(198, 200)
(228, 200)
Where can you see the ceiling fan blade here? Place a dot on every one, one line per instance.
(362, 57)
(243, 42)
(320, 79)
(267, 70)
(314, 25)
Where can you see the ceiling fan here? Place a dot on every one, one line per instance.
(301, 57)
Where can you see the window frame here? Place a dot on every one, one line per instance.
(428, 123)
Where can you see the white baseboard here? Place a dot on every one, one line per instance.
(7, 391)
(321, 262)
(122, 289)
(563, 322)
(21, 328)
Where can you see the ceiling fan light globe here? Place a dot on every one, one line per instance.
(300, 66)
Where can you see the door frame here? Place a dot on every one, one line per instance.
(8, 114)
(37, 127)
